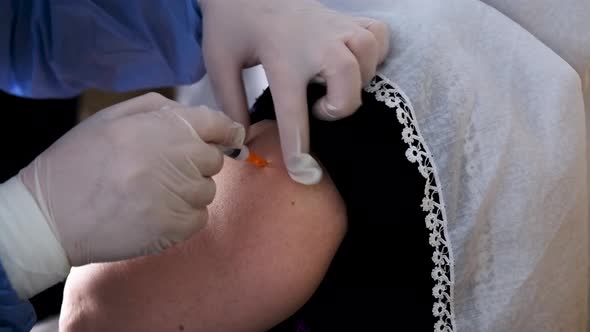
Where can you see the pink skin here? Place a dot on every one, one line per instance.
(266, 247)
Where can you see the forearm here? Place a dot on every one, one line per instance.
(60, 48)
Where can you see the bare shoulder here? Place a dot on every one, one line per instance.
(268, 243)
(258, 195)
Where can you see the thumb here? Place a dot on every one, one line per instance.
(211, 126)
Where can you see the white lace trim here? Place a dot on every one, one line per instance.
(432, 203)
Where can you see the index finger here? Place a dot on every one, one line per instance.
(290, 100)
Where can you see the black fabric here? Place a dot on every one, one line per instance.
(28, 127)
(380, 278)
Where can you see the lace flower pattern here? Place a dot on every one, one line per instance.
(417, 152)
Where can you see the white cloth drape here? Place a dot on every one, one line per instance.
(498, 98)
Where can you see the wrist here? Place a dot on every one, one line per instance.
(31, 254)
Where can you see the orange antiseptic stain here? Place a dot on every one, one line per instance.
(256, 160)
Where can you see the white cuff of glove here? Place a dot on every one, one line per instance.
(30, 253)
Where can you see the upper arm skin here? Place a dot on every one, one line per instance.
(265, 249)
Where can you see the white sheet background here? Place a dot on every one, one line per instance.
(498, 97)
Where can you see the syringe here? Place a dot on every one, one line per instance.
(246, 155)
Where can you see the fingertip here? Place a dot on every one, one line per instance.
(326, 111)
(344, 86)
(200, 220)
(238, 136)
(381, 32)
(213, 126)
(304, 169)
(207, 160)
(209, 189)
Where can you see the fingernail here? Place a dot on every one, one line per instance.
(304, 169)
(239, 134)
(318, 80)
(326, 111)
(331, 110)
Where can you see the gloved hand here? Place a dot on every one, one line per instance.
(133, 179)
(295, 41)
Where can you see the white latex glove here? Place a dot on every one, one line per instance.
(295, 41)
(131, 180)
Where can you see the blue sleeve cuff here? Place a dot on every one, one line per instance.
(61, 48)
(16, 315)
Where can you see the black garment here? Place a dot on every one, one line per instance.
(380, 278)
(27, 128)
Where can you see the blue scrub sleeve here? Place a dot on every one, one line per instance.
(58, 48)
(16, 315)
